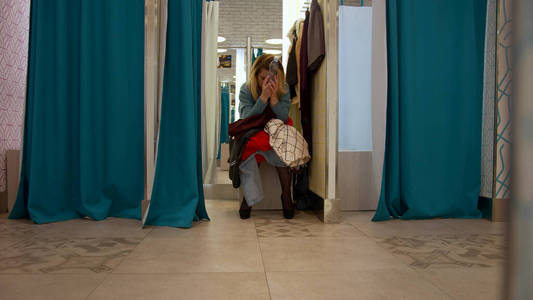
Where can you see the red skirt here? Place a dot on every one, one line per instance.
(259, 142)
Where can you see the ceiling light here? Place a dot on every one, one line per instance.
(272, 51)
(274, 41)
(221, 39)
(222, 50)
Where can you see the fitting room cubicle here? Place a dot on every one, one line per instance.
(324, 100)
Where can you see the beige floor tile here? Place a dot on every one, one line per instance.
(44, 287)
(278, 215)
(222, 177)
(225, 223)
(66, 255)
(224, 210)
(363, 222)
(108, 228)
(9, 242)
(183, 255)
(476, 225)
(370, 284)
(447, 250)
(325, 254)
(215, 204)
(468, 283)
(303, 225)
(21, 229)
(235, 286)
(214, 229)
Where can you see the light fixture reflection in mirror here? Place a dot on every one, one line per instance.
(274, 41)
(222, 50)
(221, 39)
(272, 51)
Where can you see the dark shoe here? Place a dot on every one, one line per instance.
(288, 209)
(286, 198)
(245, 210)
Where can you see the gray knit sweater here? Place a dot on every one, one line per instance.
(249, 106)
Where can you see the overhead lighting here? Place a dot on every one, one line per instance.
(222, 50)
(220, 39)
(274, 41)
(272, 51)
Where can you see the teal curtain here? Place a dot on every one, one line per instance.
(224, 114)
(177, 196)
(224, 117)
(83, 136)
(435, 96)
(256, 53)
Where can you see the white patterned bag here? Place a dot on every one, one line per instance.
(288, 143)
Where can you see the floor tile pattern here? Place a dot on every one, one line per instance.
(265, 257)
(428, 251)
(65, 255)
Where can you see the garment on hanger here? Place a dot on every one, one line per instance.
(315, 38)
(292, 67)
(293, 75)
(305, 97)
(297, 52)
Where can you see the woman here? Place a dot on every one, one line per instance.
(262, 91)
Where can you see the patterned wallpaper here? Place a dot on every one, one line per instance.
(14, 30)
(487, 142)
(504, 91)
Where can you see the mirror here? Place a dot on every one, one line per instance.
(239, 41)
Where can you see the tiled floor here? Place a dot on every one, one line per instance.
(222, 176)
(265, 257)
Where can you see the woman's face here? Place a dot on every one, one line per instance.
(261, 77)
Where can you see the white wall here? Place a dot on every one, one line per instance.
(359, 173)
(355, 80)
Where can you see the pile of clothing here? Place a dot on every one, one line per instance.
(258, 138)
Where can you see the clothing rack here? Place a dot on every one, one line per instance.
(305, 6)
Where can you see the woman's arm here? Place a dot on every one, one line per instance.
(281, 108)
(249, 106)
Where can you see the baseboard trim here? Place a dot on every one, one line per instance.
(500, 208)
(332, 211)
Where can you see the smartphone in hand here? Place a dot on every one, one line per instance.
(273, 68)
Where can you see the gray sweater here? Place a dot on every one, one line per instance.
(249, 106)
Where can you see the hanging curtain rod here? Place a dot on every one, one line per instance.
(362, 2)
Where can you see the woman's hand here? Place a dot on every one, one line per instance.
(266, 90)
(274, 84)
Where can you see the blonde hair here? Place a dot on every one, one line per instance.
(263, 62)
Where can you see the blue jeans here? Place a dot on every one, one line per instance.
(251, 179)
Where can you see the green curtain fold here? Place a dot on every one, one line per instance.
(224, 114)
(256, 52)
(83, 135)
(435, 96)
(224, 117)
(177, 196)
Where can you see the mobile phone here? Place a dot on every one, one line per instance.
(273, 68)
